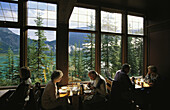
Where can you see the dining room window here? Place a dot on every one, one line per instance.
(81, 43)
(136, 45)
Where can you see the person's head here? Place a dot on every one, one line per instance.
(152, 69)
(25, 73)
(92, 74)
(126, 68)
(56, 76)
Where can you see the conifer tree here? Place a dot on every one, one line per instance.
(89, 53)
(37, 50)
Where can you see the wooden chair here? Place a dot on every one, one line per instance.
(108, 85)
(37, 93)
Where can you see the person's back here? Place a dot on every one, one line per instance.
(48, 96)
(122, 91)
(123, 79)
(17, 99)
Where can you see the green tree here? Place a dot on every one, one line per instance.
(10, 66)
(110, 55)
(135, 55)
(38, 49)
(110, 47)
(80, 66)
(89, 53)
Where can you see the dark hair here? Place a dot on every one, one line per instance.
(25, 73)
(56, 74)
(124, 66)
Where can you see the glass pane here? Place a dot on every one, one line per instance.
(52, 23)
(42, 6)
(81, 55)
(110, 54)
(9, 11)
(135, 25)
(52, 15)
(9, 56)
(41, 56)
(32, 4)
(52, 7)
(84, 17)
(135, 55)
(111, 22)
(43, 11)
(2, 18)
(5, 5)
(32, 13)
(14, 6)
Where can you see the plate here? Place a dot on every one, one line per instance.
(62, 91)
(87, 91)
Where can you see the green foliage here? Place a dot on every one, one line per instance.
(135, 55)
(89, 53)
(81, 60)
(110, 55)
(9, 74)
(40, 63)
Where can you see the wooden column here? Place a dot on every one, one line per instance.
(62, 51)
(65, 8)
(98, 42)
(124, 38)
(23, 33)
(146, 49)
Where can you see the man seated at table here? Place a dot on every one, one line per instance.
(50, 97)
(152, 75)
(98, 87)
(124, 87)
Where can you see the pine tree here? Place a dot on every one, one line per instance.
(135, 55)
(10, 65)
(89, 53)
(38, 49)
(110, 55)
(75, 60)
(80, 66)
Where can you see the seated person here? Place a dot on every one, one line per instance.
(50, 97)
(20, 97)
(98, 87)
(123, 78)
(124, 87)
(152, 75)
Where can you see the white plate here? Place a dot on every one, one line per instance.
(87, 91)
(62, 91)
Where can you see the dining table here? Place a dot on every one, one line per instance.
(72, 93)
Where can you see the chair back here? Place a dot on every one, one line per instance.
(108, 85)
(37, 96)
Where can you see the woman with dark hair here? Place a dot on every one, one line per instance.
(50, 98)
